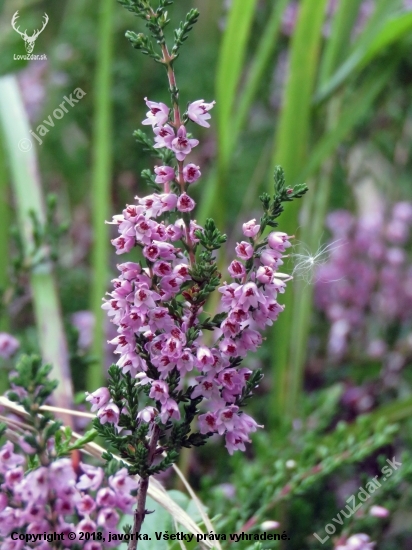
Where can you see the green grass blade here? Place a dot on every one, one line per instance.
(101, 180)
(28, 196)
(390, 31)
(230, 64)
(4, 248)
(291, 150)
(229, 69)
(351, 116)
(213, 205)
(292, 136)
(259, 66)
(340, 34)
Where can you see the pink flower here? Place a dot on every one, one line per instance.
(8, 345)
(162, 268)
(108, 518)
(159, 391)
(86, 505)
(228, 347)
(8, 459)
(185, 203)
(170, 411)
(198, 112)
(174, 232)
(105, 497)
(91, 478)
(122, 483)
(251, 228)
(264, 274)
(271, 258)
(148, 414)
(164, 174)
(379, 512)
(244, 250)
(194, 227)
(235, 441)
(182, 145)
(249, 296)
(249, 340)
(357, 542)
(123, 244)
(186, 362)
(207, 423)
(236, 269)
(168, 202)
(279, 241)
(86, 526)
(151, 252)
(158, 114)
(98, 398)
(110, 413)
(145, 298)
(205, 358)
(164, 136)
(228, 299)
(226, 419)
(191, 173)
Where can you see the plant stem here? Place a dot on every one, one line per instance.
(177, 122)
(141, 511)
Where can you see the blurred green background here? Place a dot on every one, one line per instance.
(321, 87)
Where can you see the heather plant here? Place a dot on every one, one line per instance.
(173, 386)
(48, 498)
(186, 370)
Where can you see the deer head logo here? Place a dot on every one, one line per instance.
(29, 41)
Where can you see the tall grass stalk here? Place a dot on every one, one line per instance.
(101, 180)
(28, 197)
(4, 247)
(291, 152)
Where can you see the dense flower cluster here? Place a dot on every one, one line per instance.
(52, 499)
(367, 278)
(157, 307)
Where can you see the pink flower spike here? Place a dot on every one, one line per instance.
(251, 228)
(198, 112)
(158, 114)
(185, 203)
(164, 174)
(191, 173)
(182, 145)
